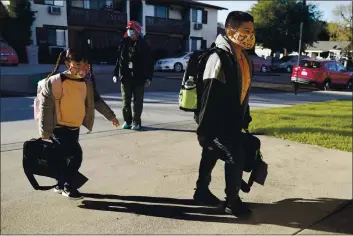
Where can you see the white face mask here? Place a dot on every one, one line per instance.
(130, 33)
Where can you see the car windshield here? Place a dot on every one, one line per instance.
(310, 64)
(180, 55)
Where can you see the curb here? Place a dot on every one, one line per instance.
(279, 87)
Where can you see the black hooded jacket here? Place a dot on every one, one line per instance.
(222, 115)
(137, 54)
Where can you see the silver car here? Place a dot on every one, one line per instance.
(286, 63)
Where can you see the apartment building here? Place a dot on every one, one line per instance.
(103, 22)
(173, 26)
(50, 29)
(169, 26)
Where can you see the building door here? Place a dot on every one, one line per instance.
(136, 10)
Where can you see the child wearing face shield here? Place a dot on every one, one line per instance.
(61, 119)
(134, 69)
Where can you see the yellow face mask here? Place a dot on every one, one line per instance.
(244, 39)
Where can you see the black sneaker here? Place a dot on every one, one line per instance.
(72, 194)
(237, 208)
(205, 197)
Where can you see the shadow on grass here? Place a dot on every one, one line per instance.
(294, 212)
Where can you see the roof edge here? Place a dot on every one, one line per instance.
(188, 3)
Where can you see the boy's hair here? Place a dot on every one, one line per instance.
(81, 54)
(235, 18)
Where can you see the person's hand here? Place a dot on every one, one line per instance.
(148, 83)
(115, 80)
(115, 122)
(46, 139)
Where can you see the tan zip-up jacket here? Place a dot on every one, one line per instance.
(48, 107)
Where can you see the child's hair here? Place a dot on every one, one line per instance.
(71, 55)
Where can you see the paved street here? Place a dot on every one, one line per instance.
(159, 108)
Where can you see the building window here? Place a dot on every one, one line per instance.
(78, 3)
(56, 37)
(52, 37)
(59, 3)
(92, 4)
(195, 44)
(161, 12)
(196, 16)
(60, 38)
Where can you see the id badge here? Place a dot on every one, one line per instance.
(131, 65)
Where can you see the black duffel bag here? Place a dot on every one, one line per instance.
(46, 159)
(254, 162)
(251, 146)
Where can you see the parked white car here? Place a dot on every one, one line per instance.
(177, 63)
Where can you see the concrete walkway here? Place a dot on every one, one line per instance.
(142, 183)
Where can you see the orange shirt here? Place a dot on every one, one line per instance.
(245, 74)
(72, 103)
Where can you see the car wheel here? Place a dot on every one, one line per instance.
(289, 69)
(263, 69)
(178, 67)
(327, 85)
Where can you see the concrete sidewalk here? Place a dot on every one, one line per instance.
(142, 183)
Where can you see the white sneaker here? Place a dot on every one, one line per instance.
(73, 194)
(58, 189)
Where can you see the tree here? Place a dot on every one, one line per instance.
(337, 32)
(16, 28)
(277, 24)
(324, 34)
(342, 29)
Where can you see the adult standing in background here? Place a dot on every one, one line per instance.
(134, 69)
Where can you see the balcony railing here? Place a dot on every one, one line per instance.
(97, 18)
(170, 26)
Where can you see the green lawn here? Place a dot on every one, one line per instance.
(326, 124)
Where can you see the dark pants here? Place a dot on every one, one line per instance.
(71, 151)
(128, 90)
(233, 156)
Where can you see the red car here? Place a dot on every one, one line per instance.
(322, 74)
(260, 64)
(8, 55)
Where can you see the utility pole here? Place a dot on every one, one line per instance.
(296, 86)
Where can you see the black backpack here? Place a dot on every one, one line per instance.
(192, 84)
(45, 159)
